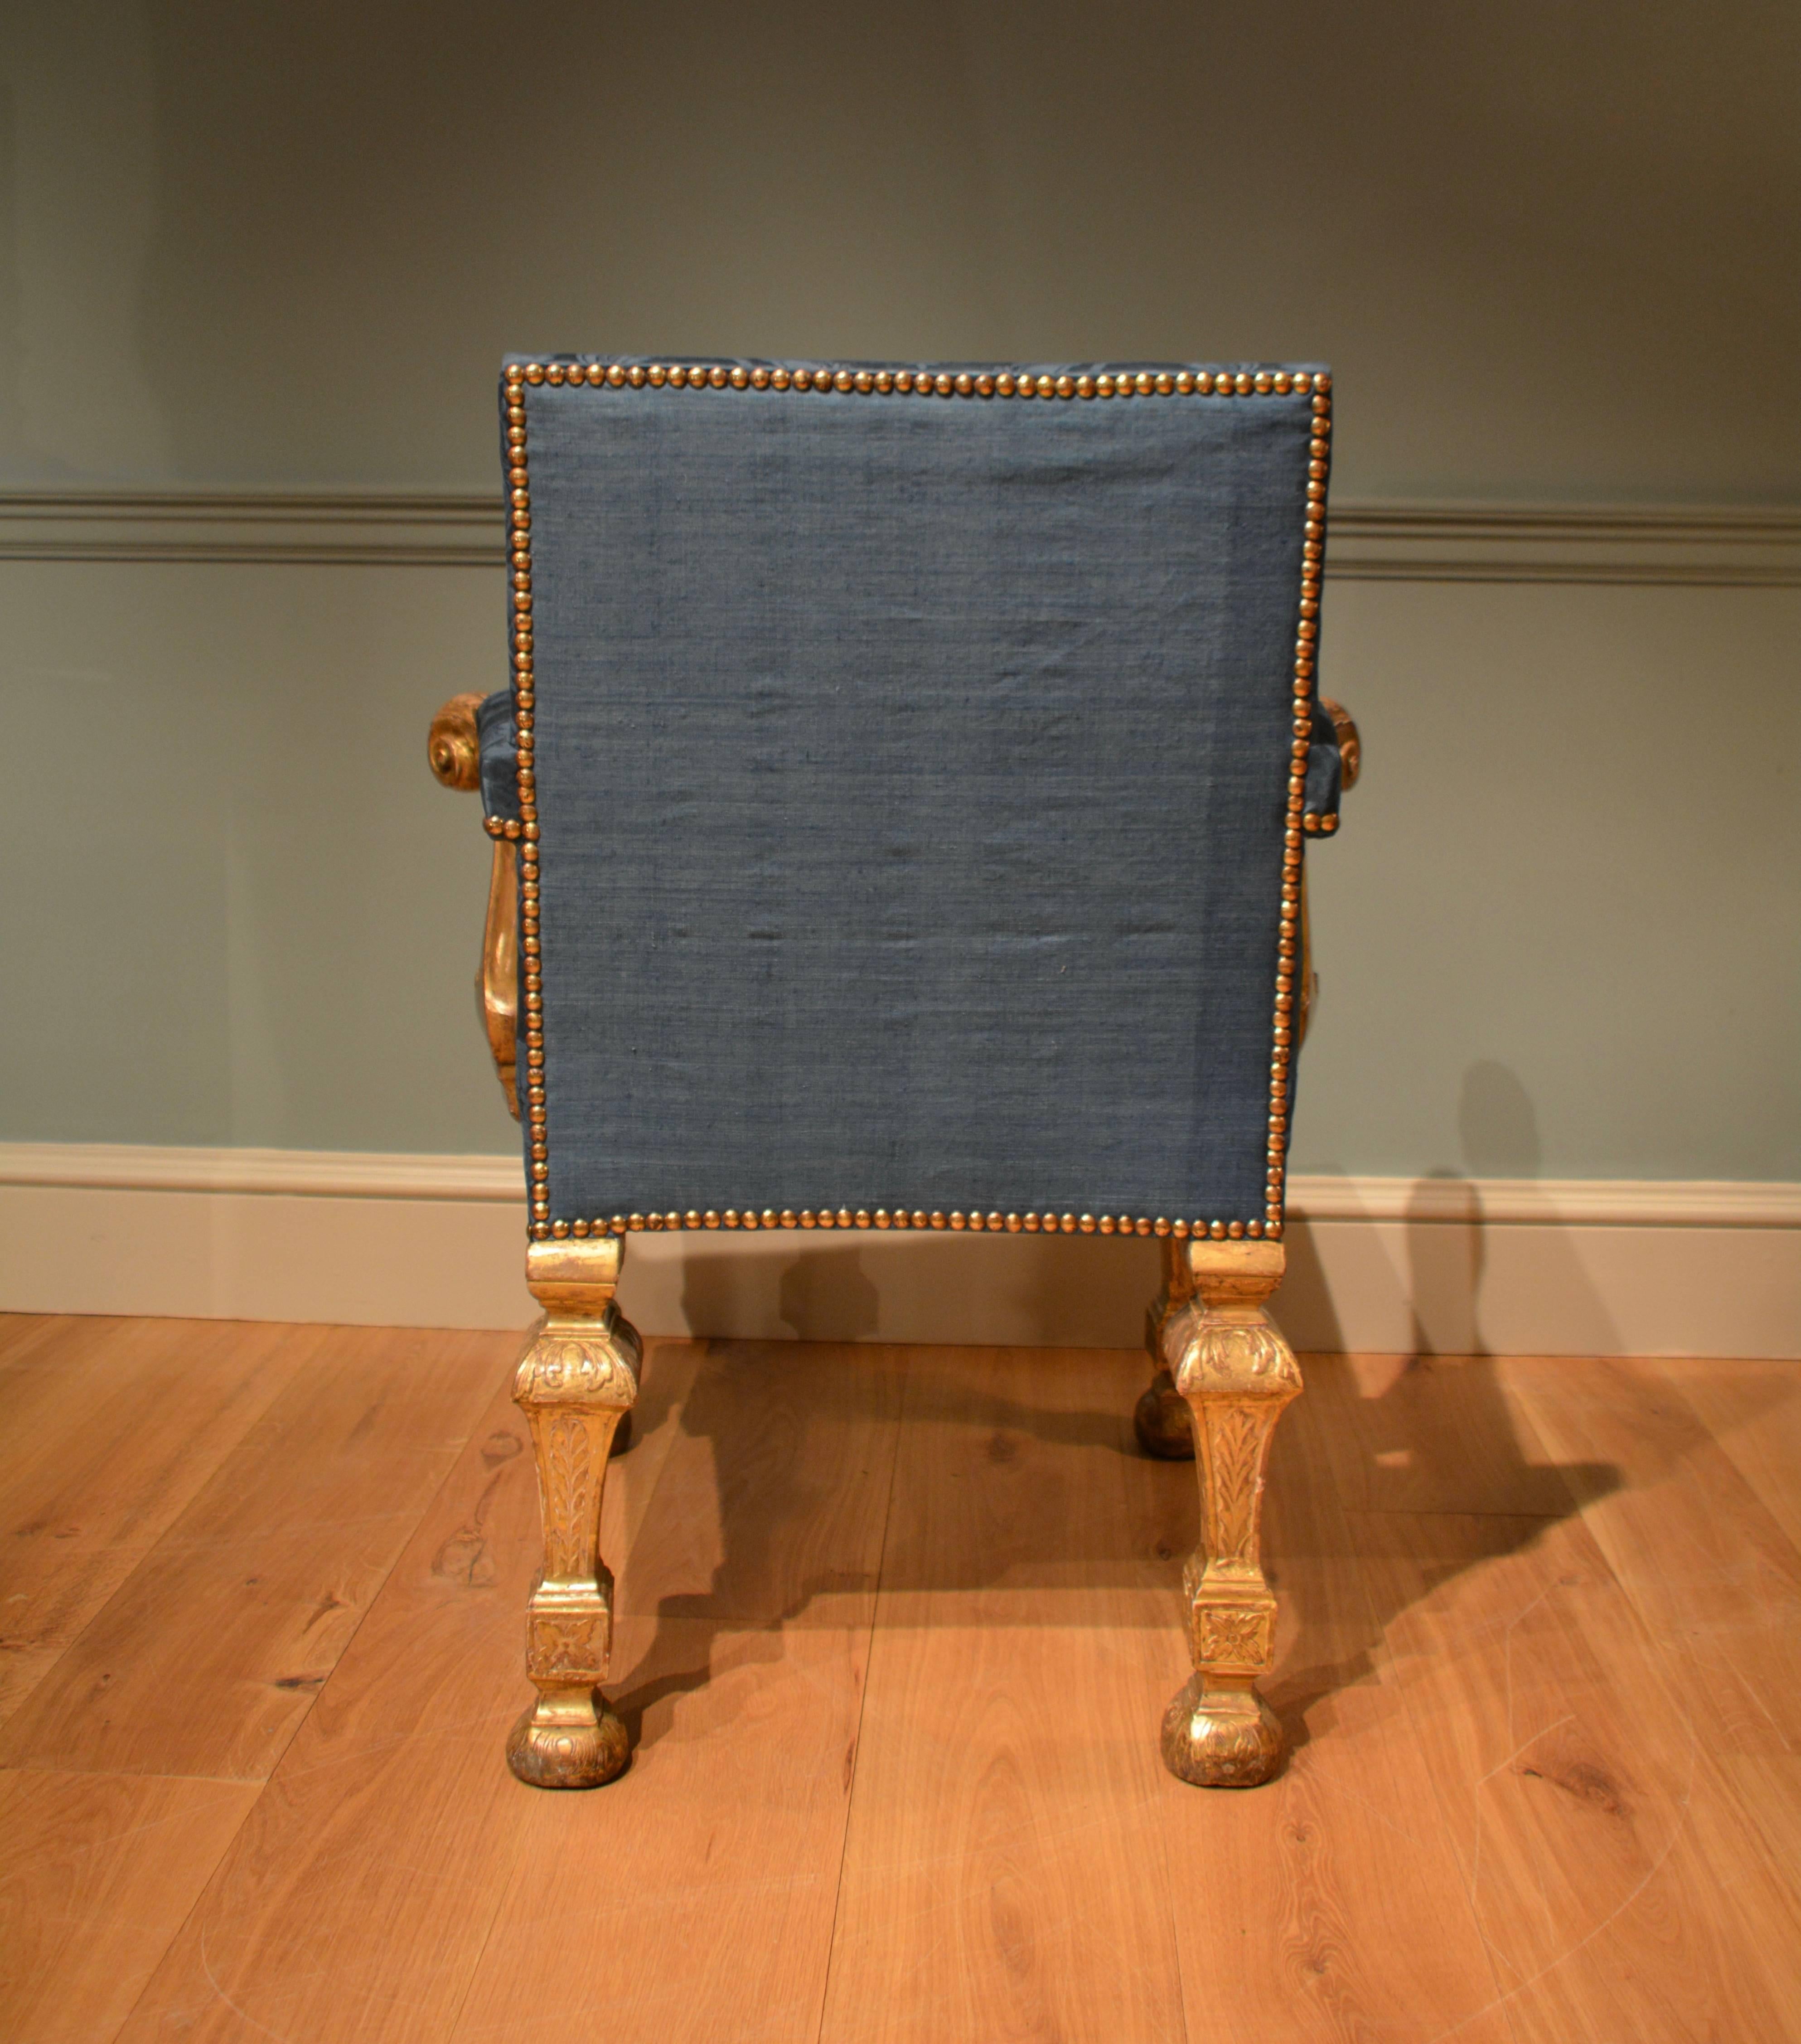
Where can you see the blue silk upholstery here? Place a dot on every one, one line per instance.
(911, 778)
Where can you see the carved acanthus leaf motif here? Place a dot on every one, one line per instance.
(571, 1496)
(1235, 1436)
(1228, 1355)
(594, 1370)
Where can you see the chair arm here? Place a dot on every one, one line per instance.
(1334, 759)
(470, 748)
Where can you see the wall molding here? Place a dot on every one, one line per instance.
(1671, 545)
(1681, 546)
(253, 528)
(1446, 1265)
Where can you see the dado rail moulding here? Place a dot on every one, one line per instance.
(1441, 1265)
(1696, 547)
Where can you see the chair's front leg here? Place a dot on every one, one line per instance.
(577, 1379)
(1237, 1374)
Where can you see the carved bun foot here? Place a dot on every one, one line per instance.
(1163, 1423)
(1222, 1738)
(553, 1748)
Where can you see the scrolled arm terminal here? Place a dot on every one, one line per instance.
(454, 747)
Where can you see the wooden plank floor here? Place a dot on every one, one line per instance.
(896, 1630)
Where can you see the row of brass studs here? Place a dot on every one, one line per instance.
(927, 383)
(525, 828)
(974, 1223)
(1298, 824)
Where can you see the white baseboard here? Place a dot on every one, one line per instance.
(1444, 1266)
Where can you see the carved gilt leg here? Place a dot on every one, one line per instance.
(1236, 1373)
(1160, 1419)
(577, 1379)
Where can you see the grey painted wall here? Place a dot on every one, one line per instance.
(1548, 249)
(1558, 933)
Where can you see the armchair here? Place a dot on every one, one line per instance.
(899, 812)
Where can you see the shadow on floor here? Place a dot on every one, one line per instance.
(799, 1435)
(789, 1491)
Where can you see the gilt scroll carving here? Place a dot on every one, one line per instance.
(453, 746)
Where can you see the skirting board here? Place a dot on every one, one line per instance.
(1436, 1266)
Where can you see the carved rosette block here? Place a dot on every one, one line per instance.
(1236, 1375)
(577, 1380)
(1160, 1419)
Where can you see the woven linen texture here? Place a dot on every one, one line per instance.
(911, 779)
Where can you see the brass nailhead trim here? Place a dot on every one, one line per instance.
(921, 383)
(1288, 956)
(1004, 383)
(881, 1217)
(525, 828)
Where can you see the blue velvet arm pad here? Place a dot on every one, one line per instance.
(1324, 775)
(499, 757)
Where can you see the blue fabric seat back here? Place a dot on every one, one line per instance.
(910, 788)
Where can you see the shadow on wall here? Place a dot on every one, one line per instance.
(1444, 1277)
(829, 1297)
(1454, 1249)
(1018, 1290)
(1448, 1277)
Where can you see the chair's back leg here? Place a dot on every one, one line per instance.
(1161, 1420)
(578, 1380)
(1236, 1373)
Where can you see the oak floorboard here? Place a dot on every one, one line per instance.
(1003, 1866)
(353, 1905)
(1327, 1904)
(1543, 1789)
(1753, 1411)
(1767, 1788)
(97, 1872)
(1431, 1433)
(693, 1898)
(108, 1429)
(214, 1646)
(772, 1504)
(1619, 1891)
(24, 1337)
(1714, 1578)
